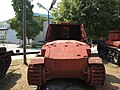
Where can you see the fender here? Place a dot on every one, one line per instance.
(95, 60)
(37, 60)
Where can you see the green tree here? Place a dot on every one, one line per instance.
(33, 25)
(99, 16)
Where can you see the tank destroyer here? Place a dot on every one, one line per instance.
(66, 55)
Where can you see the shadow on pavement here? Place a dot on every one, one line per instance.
(9, 80)
(67, 84)
(76, 84)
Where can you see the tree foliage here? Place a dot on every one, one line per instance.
(33, 25)
(99, 16)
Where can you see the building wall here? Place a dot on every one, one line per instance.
(11, 34)
(11, 37)
(3, 35)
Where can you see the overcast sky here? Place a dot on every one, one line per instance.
(7, 12)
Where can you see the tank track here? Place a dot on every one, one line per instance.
(35, 74)
(5, 61)
(114, 56)
(97, 74)
(2, 68)
(110, 54)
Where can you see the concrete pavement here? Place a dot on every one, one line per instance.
(15, 47)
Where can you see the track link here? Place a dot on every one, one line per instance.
(35, 74)
(109, 53)
(97, 74)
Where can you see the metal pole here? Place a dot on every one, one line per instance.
(48, 18)
(24, 32)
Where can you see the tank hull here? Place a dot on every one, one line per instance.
(91, 73)
(72, 62)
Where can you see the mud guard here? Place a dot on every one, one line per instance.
(37, 60)
(95, 60)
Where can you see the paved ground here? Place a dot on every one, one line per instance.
(15, 47)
